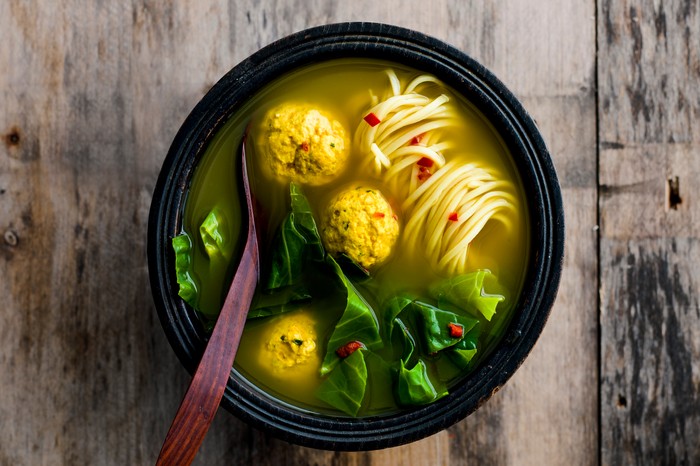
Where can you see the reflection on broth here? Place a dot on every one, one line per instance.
(395, 237)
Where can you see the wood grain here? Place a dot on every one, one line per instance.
(649, 72)
(90, 98)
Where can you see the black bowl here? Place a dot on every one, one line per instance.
(518, 131)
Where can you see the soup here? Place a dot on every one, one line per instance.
(394, 237)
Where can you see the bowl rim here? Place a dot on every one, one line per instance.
(531, 156)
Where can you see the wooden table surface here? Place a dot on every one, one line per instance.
(91, 95)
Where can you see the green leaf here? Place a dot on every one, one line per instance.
(391, 310)
(287, 256)
(435, 326)
(461, 357)
(345, 387)
(284, 300)
(467, 292)
(296, 240)
(214, 233)
(352, 268)
(413, 386)
(303, 218)
(463, 352)
(358, 322)
(187, 288)
(471, 337)
(409, 343)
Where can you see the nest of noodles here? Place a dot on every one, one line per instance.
(446, 204)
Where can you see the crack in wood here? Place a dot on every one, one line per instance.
(674, 193)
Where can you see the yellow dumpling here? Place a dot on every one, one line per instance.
(291, 343)
(303, 144)
(361, 224)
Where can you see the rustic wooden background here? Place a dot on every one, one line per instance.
(91, 95)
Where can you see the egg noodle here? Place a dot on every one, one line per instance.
(409, 130)
(451, 208)
(446, 204)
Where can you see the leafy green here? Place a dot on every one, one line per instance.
(187, 288)
(409, 343)
(462, 353)
(284, 300)
(392, 308)
(461, 357)
(435, 325)
(358, 322)
(413, 385)
(304, 220)
(471, 336)
(213, 231)
(296, 240)
(467, 292)
(345, 387)
(287, 252)
(352, 268)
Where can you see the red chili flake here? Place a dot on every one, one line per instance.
(453, 217)
(456, 330)
(417, 139)
(372, 119)
(424, 174)
(378, 215)
(425, 162)
(305, 146)
(394, 216)
(348, 348)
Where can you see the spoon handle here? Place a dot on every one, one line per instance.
(206, 389)
(199, 405)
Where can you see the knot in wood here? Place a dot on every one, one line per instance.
(11, 238)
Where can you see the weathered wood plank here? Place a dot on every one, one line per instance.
(650, 345)
(555, 79)
(91, 97)
(649, 60)
(84, 380)
(650, 319)
(552, 400)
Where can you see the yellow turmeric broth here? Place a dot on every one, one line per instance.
(341, 88)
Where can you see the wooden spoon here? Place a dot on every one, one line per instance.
(206, 389)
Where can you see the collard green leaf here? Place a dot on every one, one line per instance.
(284, 300)
(467, 292)
(345, 387)
(214, 234)
(391, 310)
(407, 340)
(358, 322)
(303, 218)
(187, 288)
(413, 386)
(296, 240)
(461, 357)
(471, 337)
(352, 268)
(287, 256)
(435, 326)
